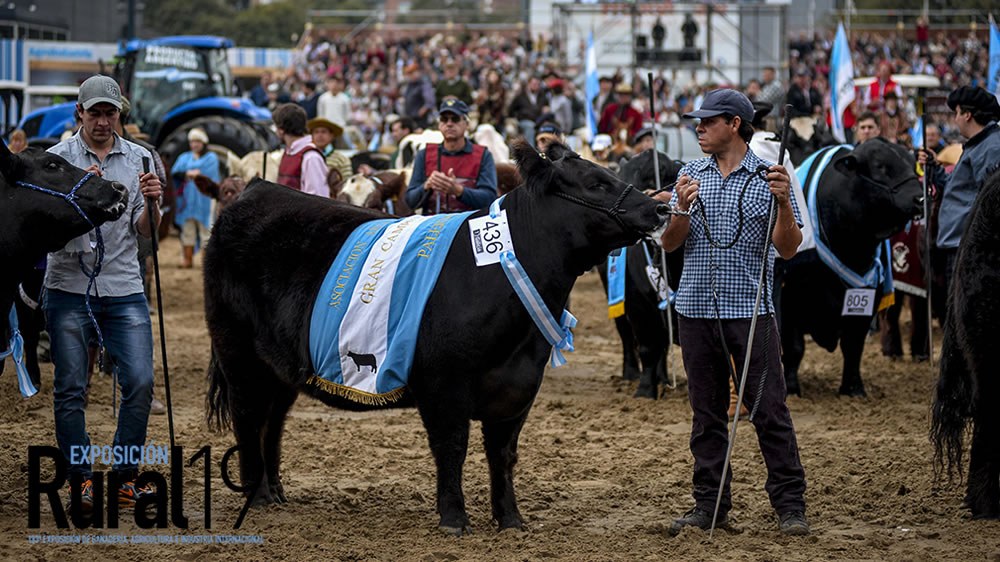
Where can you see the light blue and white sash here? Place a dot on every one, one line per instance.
(560, 334)
(877, 273)
(16, 350)
(365, 320)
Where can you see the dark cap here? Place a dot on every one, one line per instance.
(974, 96)
(642, 132)
(722, 101)
(550, 128)
(802, 71)
(455, 106)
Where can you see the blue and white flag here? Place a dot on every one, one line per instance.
(592, 88)
(917, 134)
(616, 283)
(841, 83)
(364, 324)
(993, 80)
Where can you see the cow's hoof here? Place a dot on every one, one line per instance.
(792, 388)
(514, 522)
(645, 392)
(455, 531)
(854, 392)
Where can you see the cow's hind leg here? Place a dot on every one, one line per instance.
(630, 361)
(500, 440)
(283, 398)
(448, 435)
(250, 395)
(983, 492)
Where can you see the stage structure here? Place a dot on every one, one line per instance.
(690, 42)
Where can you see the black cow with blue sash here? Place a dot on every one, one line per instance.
(46, 203)
(857, 198)
(477, 331)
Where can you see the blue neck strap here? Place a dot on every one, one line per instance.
(559, 334)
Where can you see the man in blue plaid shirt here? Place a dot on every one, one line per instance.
(716, 294)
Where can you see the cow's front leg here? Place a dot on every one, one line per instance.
(793, 345)
(448, 436)
(852, 344)
(500, 441)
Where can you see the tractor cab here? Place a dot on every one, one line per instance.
(162, 74)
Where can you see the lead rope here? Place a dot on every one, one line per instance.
(71, 198)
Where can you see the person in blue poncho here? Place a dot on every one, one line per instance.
(194, 209)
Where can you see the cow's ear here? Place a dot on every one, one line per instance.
(848, 165)
(558, 151)
(529, 162)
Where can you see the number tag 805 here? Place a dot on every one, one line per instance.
(490, 238)
(858, 302)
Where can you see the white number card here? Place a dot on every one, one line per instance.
(490, 237)
(858, 302)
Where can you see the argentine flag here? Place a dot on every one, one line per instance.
(993, 82)
(917, 133)
(591, 88)
(841, 83)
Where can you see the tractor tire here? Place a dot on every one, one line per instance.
(238, 136)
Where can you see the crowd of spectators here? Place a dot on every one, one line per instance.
(365, 83)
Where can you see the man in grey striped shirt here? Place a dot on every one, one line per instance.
(116, 298)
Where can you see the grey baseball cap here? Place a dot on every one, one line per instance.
(99, 89)
(722, 101)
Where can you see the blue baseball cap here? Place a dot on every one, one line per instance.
(455, 106)
(722, 101)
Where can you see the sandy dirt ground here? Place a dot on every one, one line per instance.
(600, 474)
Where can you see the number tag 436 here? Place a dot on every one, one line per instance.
(858, 302)
(490, 238)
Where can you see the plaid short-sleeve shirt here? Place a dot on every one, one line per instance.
(736, 269)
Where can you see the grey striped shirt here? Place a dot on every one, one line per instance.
(119, 275)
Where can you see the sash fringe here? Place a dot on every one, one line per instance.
(355, 395)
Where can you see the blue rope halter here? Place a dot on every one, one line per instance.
(71, 198)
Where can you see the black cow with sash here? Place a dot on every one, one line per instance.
(282, 265)
(857, 198)
(46, 203)
(968, 388)
(639, 309)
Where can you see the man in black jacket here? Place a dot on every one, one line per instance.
(527, 106)
(803, 98)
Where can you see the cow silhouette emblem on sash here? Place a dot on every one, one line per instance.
(363, 360)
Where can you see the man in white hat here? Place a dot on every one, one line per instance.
(116, 302)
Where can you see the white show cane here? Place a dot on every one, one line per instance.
(772, 209)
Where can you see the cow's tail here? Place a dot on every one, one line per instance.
(952, 408)
(217, 401)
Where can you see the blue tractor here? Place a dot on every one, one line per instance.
(174, 84)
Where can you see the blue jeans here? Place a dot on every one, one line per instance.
(128, 336)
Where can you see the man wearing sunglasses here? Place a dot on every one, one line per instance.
(456, 175)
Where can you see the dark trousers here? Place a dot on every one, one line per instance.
(708, 391)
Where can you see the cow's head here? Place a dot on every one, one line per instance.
(885, 192)
(356, 190)
(225, 192)
(602, 211)
(640, 171)
(35, 222)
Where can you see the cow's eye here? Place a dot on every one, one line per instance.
(52, 166)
